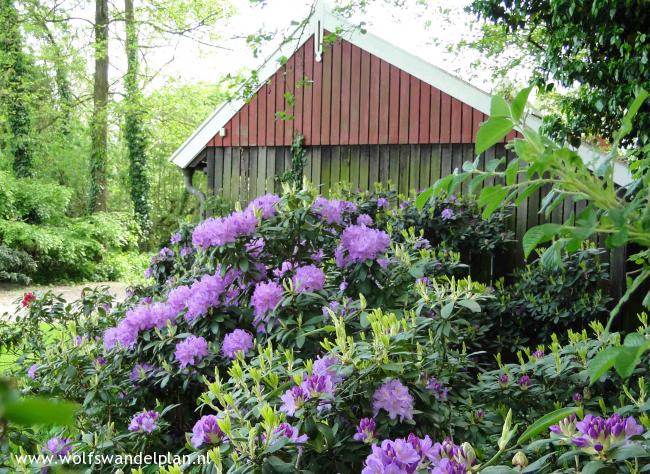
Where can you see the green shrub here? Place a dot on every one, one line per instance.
(32, 201)
(75, 249)
(543, 300)
(16, 266)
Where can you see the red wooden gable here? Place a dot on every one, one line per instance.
(351, 97)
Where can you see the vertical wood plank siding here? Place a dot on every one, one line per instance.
(350, 97)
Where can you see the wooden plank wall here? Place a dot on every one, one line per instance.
(351, 97)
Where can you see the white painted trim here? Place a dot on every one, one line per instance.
(324, 19)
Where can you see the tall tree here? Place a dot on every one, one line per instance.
(14, 91)
(599, 49)
(99, 123)
(134, 128)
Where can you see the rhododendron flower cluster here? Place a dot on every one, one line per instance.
(57, 446)
(206, 431)
(266, 204)
(320, 385)
(290, 432)
(31, 372)
(595, 435)
(216, 232)
(366, 430)
(191, 350)
(308, 278)
(266, 297)
(419, 455)
(236, 341)
(333, 210)
(437, 389)
(145, 421)
(364, 219)
(395, 398)
(140, 372)
(197, 299)
(360, 243)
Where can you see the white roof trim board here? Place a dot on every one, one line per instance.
(324, 19)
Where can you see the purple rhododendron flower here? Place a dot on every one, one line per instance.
(595, 435)
(255, 247)
(166, 252)
(31, 372)
(266, 204)
(577, 397)
(504, 379)
(175, 238)
(266, 297)
(447, 214)
(145, 421)
(216, 232)
(392, 457)
(191, 350)
(395, 398)
(206, 431)
(185, 251)
(288, 431)
(318, 256)
(148, 272)
(140, 372)
(236, 341)
(360, 243)
(382, 203)
(437, 389)
(366, 430)
(364, 219)
(293, 399)
(308, 278)
(206, 293)
(322, 367)
(332, 211)
(524, 382)
(57, 446)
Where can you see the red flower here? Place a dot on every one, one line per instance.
(29, 296)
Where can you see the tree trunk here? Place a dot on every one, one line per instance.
(13, 82)
(134, 129)
(99, 125)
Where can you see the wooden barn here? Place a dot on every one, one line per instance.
(369, 112)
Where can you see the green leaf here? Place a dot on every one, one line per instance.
(492, 132)
(30, 411)
(629, 451)
(498, 470)
(600, 364)
(472, 305)
(538, 234)
(592, 467)
(446, 310)
(491, 197)
(519, 104)
(499, 107)
(628, 358)
(423, 198)
(544, 422)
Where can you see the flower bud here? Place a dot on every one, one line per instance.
(468, 452)
(520, 460)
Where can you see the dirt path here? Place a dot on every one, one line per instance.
(10, 293)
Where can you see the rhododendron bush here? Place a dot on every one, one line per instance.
(313, 334)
